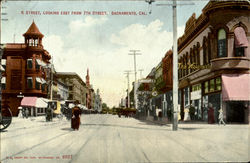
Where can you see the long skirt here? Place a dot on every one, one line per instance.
(75, 123)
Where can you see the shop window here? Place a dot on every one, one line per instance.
(29, 63)
(29, 83)
(211, 89)
(218, 83)
(206, 87)
(222, 43)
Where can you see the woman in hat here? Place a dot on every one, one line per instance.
(76, 113)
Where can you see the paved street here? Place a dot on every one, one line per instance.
(107, 138)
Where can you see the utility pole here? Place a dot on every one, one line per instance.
(175, 62)
(141, 72)
(134, 53)
(127, 73)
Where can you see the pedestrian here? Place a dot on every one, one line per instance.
(26, 113)
(76, 113)
(20, 115)
(192, 112)
(221, 117)
(210, 113)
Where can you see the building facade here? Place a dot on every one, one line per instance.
(25, 65)
(214, 59)
(77, 89)
(214, 62)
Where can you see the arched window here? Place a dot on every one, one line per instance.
(187, 63)
(195, 55)
(240, 41)
(222, 43)
(204, 46)
(198, 53)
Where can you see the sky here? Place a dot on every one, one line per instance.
(100, 43)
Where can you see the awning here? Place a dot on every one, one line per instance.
(240, 38)
(41, 63)
(236, 87)
(28, 101)
(34, 102)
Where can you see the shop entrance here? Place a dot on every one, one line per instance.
(235, 111)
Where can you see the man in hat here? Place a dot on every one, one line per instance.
(76, 113)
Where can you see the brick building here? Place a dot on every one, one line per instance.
(24, 73)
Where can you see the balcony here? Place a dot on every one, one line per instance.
(241, 63)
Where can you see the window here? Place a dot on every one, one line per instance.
(29, 63)
(196, 87)
(240, 52)
(218, 83)
(3, 82)
(36, 42)
(38, 84)
(206, 87)
(3, 63)
(29, 83)
(211, 89)
(37, 65)
(240, 41)
(205, 54)
(222, 43)
(43, 87)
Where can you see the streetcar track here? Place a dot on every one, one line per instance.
(90, 137)
(36, 145)
(31, 132)
(188, 149)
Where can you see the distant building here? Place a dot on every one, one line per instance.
(76, 86)
(25, 73)
(98, 101)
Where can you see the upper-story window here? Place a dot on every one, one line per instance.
(3, 82)
(33, 42)
(240, 42)
(222, 43)
(38, 83)
(29, 82)
(29, 63)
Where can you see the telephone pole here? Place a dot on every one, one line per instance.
(175, 61)
(127, 73)
(134, 53)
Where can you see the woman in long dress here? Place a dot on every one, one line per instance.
(75, 120)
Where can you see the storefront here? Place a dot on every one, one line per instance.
(211, 98)
(235, 97)
(196, 100)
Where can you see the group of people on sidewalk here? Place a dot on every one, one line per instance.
(190, 114)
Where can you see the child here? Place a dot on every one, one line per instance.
(221, 117)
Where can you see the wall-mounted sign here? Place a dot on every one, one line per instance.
(196, 95)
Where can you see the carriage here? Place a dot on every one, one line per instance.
(5, 117)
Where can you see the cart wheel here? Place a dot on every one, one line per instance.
(5, 118)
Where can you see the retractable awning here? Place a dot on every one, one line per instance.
(236, 87)
(34, 102)
(240, 38)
